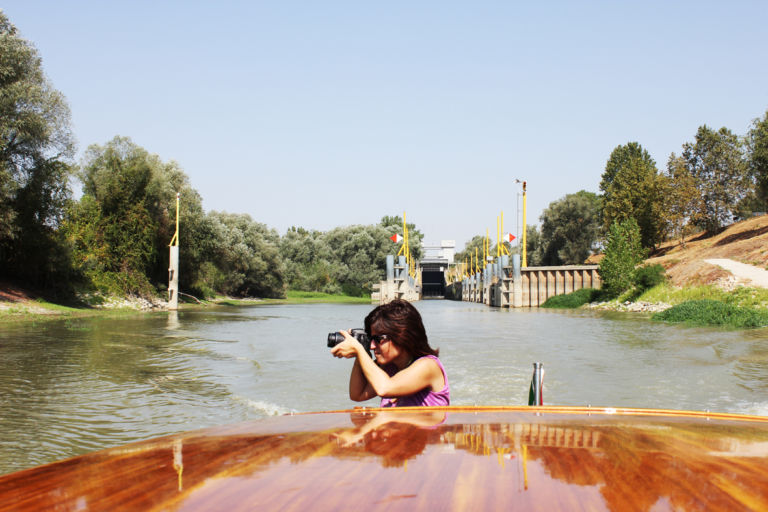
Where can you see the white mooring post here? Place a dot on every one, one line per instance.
(173, 266)
(173, 279)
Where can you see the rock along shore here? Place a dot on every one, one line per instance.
(631, 307)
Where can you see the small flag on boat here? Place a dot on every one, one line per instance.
(396, 238)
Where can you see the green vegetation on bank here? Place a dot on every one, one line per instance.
(707, 312)
(740, 297)
(299, 297)
(695, 306)
(40, 310)
(572, 300)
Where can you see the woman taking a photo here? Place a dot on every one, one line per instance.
(407, 371)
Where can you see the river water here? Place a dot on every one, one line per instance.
(68, 387)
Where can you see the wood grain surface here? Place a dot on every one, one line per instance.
(526, 458)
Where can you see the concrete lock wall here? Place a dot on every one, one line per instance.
(540, 283)
(512, 286)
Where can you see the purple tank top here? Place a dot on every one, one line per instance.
(425, 397)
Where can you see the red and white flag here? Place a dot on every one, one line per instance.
(508, 237)
(396, 238)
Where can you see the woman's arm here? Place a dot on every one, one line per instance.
(421, 374)
(368, 379)
(359, 388)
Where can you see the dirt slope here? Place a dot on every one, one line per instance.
(745, 242)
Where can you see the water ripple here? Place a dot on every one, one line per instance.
(72, 387)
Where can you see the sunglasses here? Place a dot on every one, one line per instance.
(378, 339)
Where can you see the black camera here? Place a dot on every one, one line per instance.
(335, 338)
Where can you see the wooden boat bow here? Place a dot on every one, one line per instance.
(453, 458)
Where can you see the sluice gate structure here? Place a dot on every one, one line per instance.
(504, 281)
(401, 283)
(499, 284)
(510, 286)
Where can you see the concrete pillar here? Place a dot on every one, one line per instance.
(401, 263)
(173, 278)
(390, 267)
(517, 284)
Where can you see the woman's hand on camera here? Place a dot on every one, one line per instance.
(347, 348)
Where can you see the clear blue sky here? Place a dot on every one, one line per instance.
(322, 114)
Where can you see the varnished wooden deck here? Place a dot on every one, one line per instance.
(526, 458)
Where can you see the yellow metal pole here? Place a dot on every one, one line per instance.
(498, 239)
(503, 245)
(177, 218)
(525, 249)
(405, 240)
(175, 239)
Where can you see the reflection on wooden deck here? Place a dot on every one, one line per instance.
(543, 458)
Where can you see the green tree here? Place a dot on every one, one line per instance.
(308, 261)
(359, 256)
(533, 243)
(623, 252)
(167, 180)
(348, 259)
(36, 148)
(715, 160)
(247, 260)
(473, 251)
(112, 227)
(681, 196)
(569, 229)
(757, 160)
(631, 190)
(121, 227)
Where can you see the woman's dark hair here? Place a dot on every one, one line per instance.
(401, 321)
(396, 442)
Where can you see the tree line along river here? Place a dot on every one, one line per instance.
(71, 386)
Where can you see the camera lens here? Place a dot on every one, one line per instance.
(335, 338)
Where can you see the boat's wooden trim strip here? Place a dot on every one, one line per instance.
(567, 409)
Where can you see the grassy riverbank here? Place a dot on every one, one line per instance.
(21, 306)
(712, 312)
(696, 306)
(296, 297)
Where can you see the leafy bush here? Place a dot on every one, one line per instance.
(572, 300)
(713, 312)
(622, 254)
(648, 276)
(354, 291)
